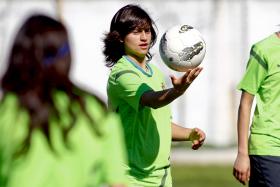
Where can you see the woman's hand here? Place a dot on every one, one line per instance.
(197, 136)
(241, 168)
(182, 83)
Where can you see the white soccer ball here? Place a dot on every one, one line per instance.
(182, 47)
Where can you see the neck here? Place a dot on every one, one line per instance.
(141, 61)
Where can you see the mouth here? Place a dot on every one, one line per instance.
(143, 46)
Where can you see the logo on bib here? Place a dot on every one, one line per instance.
(162, 85)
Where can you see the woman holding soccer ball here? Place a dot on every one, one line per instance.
(136, 90)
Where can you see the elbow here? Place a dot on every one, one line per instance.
(148, 102)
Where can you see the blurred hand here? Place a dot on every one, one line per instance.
(197, 136)
(182, 83)
(241, 168)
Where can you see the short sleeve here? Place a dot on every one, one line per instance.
(131, 88)
(256, 72)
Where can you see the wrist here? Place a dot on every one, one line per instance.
(179, 91)
(243, 153)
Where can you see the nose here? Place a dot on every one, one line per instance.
(143, 35)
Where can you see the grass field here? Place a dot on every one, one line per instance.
(203, 176)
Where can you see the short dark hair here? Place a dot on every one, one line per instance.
(124, 21)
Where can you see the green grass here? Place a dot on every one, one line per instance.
(203, 176)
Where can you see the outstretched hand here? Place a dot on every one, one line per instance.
(182, 83)
(197, 136)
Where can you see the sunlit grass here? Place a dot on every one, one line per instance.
(185, 175)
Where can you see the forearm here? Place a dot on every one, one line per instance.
(243, 122)
(242, 130)
(180, 133)
(160, 98)
(180, 85)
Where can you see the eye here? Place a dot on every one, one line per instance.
(136, 31)
(148, 30)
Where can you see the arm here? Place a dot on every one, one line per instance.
(241, 168)
(195, 135)
(161, 98)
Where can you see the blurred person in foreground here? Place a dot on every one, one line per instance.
(52, 133)
(258, 158)
(137, 91)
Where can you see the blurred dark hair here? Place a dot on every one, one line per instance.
(38, 65)
(125, 21)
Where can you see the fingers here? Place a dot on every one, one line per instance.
(199, 134)
(191, 74)
(199, 137)
(242, 176)
(248, 174)
(241, 168)
(236, 174)
(184, 82)
(195, 72)
(187, 73)
(196, 144)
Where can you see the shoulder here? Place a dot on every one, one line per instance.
(262, 45)
(105, 120)
(92, 102)
(85, 101)
(8, 98)
(12, 115)
(122, 69)
(122, 65)
(9, 103)
(263, 49)
(9, 107)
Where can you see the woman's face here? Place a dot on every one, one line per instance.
(137, 43)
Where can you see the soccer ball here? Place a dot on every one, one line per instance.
(182, 47)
